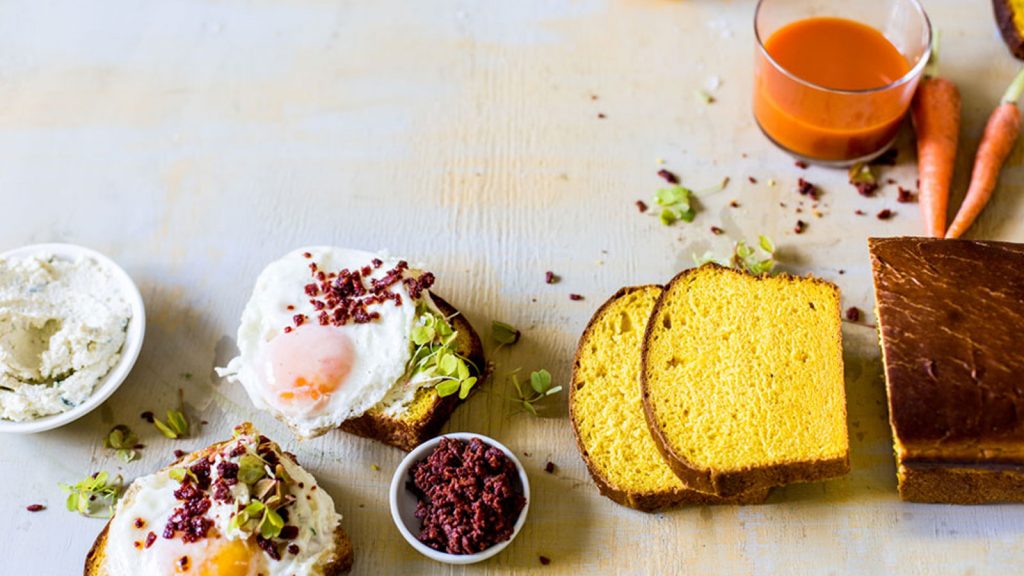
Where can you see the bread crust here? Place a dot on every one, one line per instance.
(735, 482)
(340, 564)
(406, 435)
(967, 483)
(1012, 36)
(643, 501)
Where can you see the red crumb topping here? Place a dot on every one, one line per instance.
(717, 231)
(866, 189)
(140, 523)
(601, 115)
(469, 496)
(800, 227)
(147, 416)
(549, 467)
(800, 164)
(150, 538)
(859, 212)
(641, 206)
(307, 254)
(905, 196)
(752, 179)
(575, 297)
(35, 507)
(293, 549)
(885, 214)
(550, 277)
(805, 188)
(544, 560)
(853, 314)
(668, 176)
(347, 296)
(734, 204)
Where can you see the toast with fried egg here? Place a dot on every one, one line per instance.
(339, 338)
(163, 526)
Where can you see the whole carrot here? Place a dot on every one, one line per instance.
(936, 115)
(1001, 134)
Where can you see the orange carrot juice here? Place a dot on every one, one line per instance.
(828, 89)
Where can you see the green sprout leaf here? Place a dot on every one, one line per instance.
(676, 205)
(175, 427)
(540, 388)
(447, 388)
(123, 441)
(540, 381)
(272, 523)
(95, 496)
(861, 173)
(504, 334)
(251, 469)
(757, 260)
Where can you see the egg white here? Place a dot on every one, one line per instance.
(151, 498)
(382, 347)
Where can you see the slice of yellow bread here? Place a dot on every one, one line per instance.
(607, 413)
(742, 380)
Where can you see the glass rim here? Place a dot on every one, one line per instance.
(914, 71)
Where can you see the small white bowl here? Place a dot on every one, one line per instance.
(129, 352)
(403, 502)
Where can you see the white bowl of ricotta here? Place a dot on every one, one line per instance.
(71, 328)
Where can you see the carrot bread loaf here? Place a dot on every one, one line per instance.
(951, 316)
(1010, 18)
(743, 380)
(607, 414)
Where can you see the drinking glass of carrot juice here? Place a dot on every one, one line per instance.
(833, 79)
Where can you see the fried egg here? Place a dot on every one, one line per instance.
(307, 367)
(137, 544)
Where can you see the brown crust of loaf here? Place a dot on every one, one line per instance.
(735, 482)
(408, 435)
(1013, 37)
(341, 564)
(644, 501)
(946, 483)
(953, 394)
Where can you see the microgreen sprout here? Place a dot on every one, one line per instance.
(123, 441)
(504, 334)
(95, 496)
(676, 204)
(746, 257)
(435, 355)
(540, 388)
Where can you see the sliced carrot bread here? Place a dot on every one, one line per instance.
(742, 380)
(607, 412)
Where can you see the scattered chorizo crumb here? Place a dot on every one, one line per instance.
(841, 271)
(866, 189)
(717, 231)
(179, 453)
(147, 416)
(668, 176)
(601, 115)
(551, 278)
(641, 206)
(905, 196)
(549, 467)
(544, 560)
(885, 214)
(805, 188)
(853, 314)
(734, 204)
(859, 212)
(800, 164)
(35, 507)
(890, 181)
(800, 227)
(575, 297)
(752, 179)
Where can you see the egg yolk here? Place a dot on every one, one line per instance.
(234, 558)
(308, 364)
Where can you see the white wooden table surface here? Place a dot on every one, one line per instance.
(195, 141)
